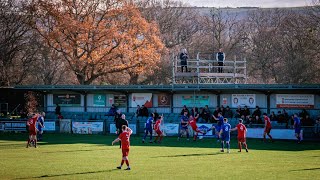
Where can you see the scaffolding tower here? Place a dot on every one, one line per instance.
(204, 70)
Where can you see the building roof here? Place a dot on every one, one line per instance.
(216, 88)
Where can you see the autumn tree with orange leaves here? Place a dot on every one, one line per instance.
(98, 37)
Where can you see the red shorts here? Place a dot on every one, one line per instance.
(32, 132)
(159, 132)
(125, 152)
(242, 139)
(267, 130)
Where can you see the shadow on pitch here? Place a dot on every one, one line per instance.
(105, 140)
(308, 169)
(80, 150)
(188, 155)
(69, 174)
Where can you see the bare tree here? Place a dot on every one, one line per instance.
(16, 44)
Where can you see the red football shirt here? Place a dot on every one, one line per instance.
(241, 130)
(193, 123)
(157, 125)
(125, 140)
(267, 119)
(32, 123)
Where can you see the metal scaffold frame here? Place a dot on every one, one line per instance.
(204, 70)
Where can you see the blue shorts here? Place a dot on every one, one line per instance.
(225, 138)
(184, 128)
(297, 130)
(40, 129)
(218, 128)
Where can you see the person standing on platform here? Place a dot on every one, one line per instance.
(184, 59)
(220, 57)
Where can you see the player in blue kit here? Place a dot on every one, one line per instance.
(297, 127)
(40, 123)
(219, 123)
(184, 125)
(225, 134)
(148, 129)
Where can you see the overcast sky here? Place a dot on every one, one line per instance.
(250, 3)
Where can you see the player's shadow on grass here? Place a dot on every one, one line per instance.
(105, 140)
(69, 174)
(308, 169)
(188, 155)
(80, 150)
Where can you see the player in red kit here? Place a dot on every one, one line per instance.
(32, 130)
(124, 137)
(267, 127)
(157, 129)
(242, 131)
(193, 124)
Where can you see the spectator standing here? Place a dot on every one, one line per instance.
(195, 113)
(216, 112)
(273, 116)
(185, 109)
(220, 57)
(308, 121)
(256, 112)
(246, 113)
(144, 111)
(184, 59)
(228, 113)
(238, 112)
(316, 128)
(112, 110)
(222, 110)
(58, 109)
(138, 111)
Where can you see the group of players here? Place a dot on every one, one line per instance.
(35, 127)
(222, 129)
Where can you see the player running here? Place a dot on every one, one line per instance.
(225, 135)
(242, 131)
(297, 127)
(184, 125)
(148, 129)
(267, 127)
(32, 130)
(218, 127)
(124, 137)
(193, 124)
(40, 123)
(158, 131)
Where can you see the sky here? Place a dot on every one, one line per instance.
(248, 3)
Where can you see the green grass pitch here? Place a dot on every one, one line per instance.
(66, 156)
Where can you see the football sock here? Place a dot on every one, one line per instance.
(161, 138)
(156, 139)
(187, 135)
(245, 145)
(194, 137)
(222, 145)
(228, 145)
(299, 139)
(127, 163)
(122, 161)
(240, 146)
(270, 136)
